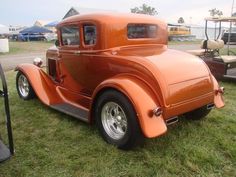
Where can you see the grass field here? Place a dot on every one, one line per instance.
(27, 47)
(197, 41)
(48, 144)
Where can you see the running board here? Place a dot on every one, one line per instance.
(71, 110)
(172, 120)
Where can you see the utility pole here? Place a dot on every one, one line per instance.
(232, 9)
(230, 28)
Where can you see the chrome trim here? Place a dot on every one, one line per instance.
(172, 120)
(157, 111)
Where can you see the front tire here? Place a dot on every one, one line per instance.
(198, 114)
(24, 89)
(117, 120)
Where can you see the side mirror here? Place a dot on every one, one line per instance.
(57, 43)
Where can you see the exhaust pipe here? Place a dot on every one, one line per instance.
(210, 106)
(172, 120)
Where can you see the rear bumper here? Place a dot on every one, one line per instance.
(189, 105)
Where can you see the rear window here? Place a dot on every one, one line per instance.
(137, 31)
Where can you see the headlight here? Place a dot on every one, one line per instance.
(38, 62)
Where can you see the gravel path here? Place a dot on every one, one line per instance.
(9, 62)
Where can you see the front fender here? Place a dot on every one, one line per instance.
(143, 101)
(41, 83)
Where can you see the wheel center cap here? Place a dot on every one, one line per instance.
(118, 118)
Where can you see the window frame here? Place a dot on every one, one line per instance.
(83, 34)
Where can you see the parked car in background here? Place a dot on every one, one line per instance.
(178, 32)
(225, 36)
(115, 70)
(31, 37)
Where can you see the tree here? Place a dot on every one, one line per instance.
(181, 20)
(144, 9)
(214, 12)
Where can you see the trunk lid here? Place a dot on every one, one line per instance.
(186, 76)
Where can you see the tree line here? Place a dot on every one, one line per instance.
(149, 10)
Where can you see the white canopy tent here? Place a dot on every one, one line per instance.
(4, 29)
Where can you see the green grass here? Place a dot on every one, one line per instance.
(197, 41)
(48, 143)
(232, 51)
(27, 47)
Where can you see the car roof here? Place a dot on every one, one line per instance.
(108, 18)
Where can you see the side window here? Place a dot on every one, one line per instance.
(90, 34)
(70, 35)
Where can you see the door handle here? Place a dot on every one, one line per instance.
(77, 52)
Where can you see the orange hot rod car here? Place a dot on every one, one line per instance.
(115, 70)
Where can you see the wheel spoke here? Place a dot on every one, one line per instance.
(116, 109)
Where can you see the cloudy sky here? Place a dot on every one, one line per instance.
(26, 12)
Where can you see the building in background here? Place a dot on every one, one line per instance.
(52, 26)
(195, 30)
(14, 30)
(4, 30)
(42, 23)
(199, 31)
(79, 10)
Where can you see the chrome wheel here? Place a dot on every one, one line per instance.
(114, 120)
(23, 85)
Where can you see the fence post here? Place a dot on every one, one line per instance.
(6, 152)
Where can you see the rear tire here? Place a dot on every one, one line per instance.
(117, 120)
(24, 89)
(198, 114)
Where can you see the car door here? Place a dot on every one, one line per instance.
(82, 70)
(71, 64)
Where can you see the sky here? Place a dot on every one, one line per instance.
(26, 12)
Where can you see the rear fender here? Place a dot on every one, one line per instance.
(143, 101)
(42, 84)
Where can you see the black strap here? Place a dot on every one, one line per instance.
(205, 44)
